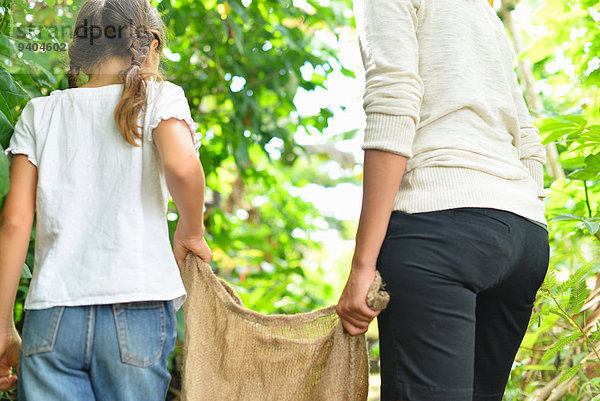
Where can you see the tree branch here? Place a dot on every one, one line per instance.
(533, 98)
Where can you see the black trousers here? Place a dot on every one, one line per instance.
(462, 285)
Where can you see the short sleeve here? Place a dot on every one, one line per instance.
(169, 101)
(23, 138)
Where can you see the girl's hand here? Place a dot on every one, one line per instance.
(10, 346)
(352, 306)
(184, 243)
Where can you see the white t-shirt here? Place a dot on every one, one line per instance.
(101, 229)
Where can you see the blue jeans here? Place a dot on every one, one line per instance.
(97, 352)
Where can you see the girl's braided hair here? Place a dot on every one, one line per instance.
(125, 29)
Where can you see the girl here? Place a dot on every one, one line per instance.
(450, 216)
(99, 317)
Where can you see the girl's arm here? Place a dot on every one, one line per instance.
(16, 220)
(382, 175)
(185, 179)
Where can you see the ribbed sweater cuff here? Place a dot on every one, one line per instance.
(536, 170)
(390, 133)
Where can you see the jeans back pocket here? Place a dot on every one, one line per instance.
(141, 330)
(40, 328)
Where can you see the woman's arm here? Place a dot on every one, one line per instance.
(16, 220)
(387, 36)
(382, 175)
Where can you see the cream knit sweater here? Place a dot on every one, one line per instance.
(441, 90)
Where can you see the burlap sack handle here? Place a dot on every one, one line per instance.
(377, 298)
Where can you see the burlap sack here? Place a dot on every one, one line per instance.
(235, 354)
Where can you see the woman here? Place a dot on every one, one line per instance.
(452, 212)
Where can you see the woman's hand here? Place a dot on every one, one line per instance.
(352, 306)
(184, 243)
(10, 346)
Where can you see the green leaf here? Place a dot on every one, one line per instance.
(554, 135)
(242, 157)
(348, 73)
(578, 297)
(26, 273)
(593, 131)
(585, 174)
(595, 336)
(592, 226)
(566, 217)
(559, 345)
(553, 124)
(574, 279)
(550, 280)
(537, 367)
(10, 90)
(6, 130)
(593, 161)
(569, 373)
(180, 324)
(4, 172)
(576, 119)
(588, 144)
(538, 50)
(4, 109)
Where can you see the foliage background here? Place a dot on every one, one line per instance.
(240, 64)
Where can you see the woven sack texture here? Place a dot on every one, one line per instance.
(232, 353)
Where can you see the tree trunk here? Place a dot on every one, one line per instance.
(533, 98)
